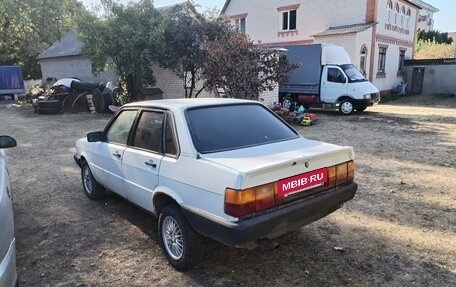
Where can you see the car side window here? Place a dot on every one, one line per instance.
(120, 129)
(335, 75)
(149, 132)
(170, 139)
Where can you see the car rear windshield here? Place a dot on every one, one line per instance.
(228, 127)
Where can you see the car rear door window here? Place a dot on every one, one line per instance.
(149, 131)
(227, 127)
(120, 129)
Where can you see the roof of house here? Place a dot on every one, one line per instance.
(227, 2)
(345, 29)
(68, 45)
(424, 5)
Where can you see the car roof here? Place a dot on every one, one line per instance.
(185, 103)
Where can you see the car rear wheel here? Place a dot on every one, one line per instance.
(92, 188)
(182, 245)
(346, 107)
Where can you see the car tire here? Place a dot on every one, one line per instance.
(346, 107)
(92, 188)
(183, 247)
(49, 104)
(49, 111)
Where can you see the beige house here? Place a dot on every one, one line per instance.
(378, 34)
(426, 18)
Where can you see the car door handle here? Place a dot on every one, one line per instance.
(151, 164)
(117, 154)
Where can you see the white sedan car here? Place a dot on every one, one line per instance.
(8, 274)
(226, 169)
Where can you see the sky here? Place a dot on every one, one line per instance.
(445, 19)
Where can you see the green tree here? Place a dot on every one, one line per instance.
(125, 39)
(241, 68)
(434, 36)
(186, 33)
(29, 27)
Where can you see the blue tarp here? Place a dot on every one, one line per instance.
(11, 81)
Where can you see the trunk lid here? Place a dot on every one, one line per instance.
(272, 162)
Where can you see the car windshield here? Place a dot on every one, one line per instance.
(353, 73)
(228, 127)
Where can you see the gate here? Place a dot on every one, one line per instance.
(417, 80)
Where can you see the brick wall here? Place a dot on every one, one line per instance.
(173, 86)
(268, 98)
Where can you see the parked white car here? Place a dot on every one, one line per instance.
(227, 169)
(8, 273)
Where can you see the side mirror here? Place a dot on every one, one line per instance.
(7, 141)
(95, 137)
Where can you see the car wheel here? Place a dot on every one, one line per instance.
(92, 188)
(182, 245)
(346, 107)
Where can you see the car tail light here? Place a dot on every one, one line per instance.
(239, 203)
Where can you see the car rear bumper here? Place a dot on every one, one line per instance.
(275, 223)
(8, 273)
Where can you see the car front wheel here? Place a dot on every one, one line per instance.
(182, 245)
(346, 107)
(92, 188)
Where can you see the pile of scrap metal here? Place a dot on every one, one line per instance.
(71, 95)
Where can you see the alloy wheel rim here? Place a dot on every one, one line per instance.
(87, 180)
(172, 238)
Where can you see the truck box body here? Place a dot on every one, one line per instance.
(11, 81)
(310, 59)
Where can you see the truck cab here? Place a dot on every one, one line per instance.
(346, 86)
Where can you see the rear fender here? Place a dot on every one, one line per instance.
(162, 190)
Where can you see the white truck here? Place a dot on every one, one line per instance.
(325, 78)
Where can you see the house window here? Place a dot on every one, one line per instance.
(239, 21)
(363, 60)
(396, 14)
(240, 25)
(408, 19)
(381, 60)
(401, 61)
(402, 16)
(289, 20)
(390, 11)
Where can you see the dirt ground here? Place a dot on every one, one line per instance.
(399, 230)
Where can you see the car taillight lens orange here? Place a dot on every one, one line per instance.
(239, 203)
